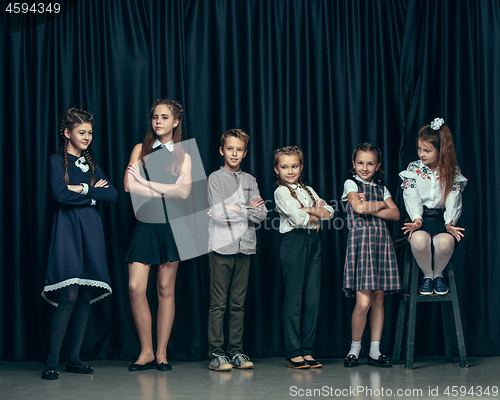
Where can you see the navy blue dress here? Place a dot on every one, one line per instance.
(77, 253)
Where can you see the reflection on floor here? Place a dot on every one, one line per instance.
(432, 378)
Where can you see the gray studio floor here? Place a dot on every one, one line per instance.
(270, 379)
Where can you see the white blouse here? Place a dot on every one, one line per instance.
(291, 216)
(421, 188)
(350, 186)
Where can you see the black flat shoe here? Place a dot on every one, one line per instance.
(351, 361)
(382, 361)
(51, 374)
(163, 367)
(313, 363)
(142, 367)
(82, 369)
(297, 364)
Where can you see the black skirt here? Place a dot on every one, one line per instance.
(152, 244)
(432, 220)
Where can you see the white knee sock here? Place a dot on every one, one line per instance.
(355, 348)
(421, 248)
(375, 350)
(444, 244)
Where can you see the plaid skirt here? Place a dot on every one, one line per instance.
(370, 262)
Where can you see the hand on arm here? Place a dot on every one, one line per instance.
(75, 188)
(455, 231)
(410, 227)
(361, 206)
(258, 202)
(256, 211)
(176, 190)
(390, 213)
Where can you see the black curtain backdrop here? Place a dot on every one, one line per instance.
(321, 74)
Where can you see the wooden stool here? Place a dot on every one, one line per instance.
(408, 306)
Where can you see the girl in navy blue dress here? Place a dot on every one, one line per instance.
(165, 176)
(77, 272)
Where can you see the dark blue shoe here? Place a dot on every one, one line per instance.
(426, 286)
(440, 285)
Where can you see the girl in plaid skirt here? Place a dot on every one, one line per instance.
(370, 269)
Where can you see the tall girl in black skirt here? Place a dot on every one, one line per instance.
(432, 192)
(77, 272)
(153, 241)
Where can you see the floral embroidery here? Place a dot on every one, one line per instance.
(456, 187)
(424, 172)
(409, 183)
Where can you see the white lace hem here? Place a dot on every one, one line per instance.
(77, 281)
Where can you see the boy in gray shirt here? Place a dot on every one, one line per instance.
(235, 205)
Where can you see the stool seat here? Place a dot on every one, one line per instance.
(407, 313)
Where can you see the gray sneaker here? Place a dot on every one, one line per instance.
(241, 361)
(220, 363)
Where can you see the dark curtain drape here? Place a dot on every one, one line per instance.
(321, 74)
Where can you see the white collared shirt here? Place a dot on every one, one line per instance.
(291, 216)
(350, 186)
(421, 187)
(169, 145)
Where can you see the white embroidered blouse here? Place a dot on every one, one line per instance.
(421, 187)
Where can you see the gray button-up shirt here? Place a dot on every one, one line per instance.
(232, 232)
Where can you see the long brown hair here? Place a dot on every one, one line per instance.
(175, 163)
(442, 140)
(70, 120)
(292, 151)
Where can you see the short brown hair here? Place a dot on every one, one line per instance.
(237, 133)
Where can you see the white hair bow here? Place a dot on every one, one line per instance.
(436, 124)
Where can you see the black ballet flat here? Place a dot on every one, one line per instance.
(82, 369)
(313, 363)
(50, 374)
(142, 367)
(351, 361)
(163, 367)
(297, 364)
(382, 361)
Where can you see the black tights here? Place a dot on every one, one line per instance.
(76, 300)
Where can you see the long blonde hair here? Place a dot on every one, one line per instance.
(175, 163)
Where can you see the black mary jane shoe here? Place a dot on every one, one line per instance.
(50, 374)
(163, 367)
(382, 361)
(313, 363)
(351, 361)
(142, 367)
(297, 364)
(79, 369)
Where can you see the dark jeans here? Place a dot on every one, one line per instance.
(228, 285)
(300, 256)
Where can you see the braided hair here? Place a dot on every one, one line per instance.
(70, 120)
(175, 163)
(292, 151)
(372, 149)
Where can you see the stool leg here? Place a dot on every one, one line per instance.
(398, 337)
(412, 314)
(445, 312)
(457, 318)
